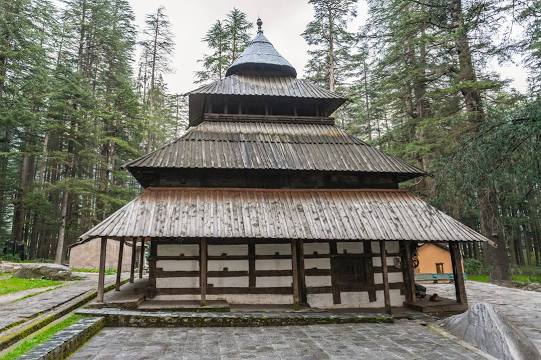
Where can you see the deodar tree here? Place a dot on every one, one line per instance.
(71, 114)
(421, 82)
(328, 34)
(226, 40)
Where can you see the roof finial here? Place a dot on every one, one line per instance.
(259, 23)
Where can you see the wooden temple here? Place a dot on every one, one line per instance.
(264, 200)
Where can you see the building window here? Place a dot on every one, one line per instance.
(439, 268)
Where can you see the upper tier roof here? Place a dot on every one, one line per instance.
(280, 146)
(267, 86)
(260, 57)
(263, 86)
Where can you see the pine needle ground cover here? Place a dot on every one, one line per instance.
(11, 284)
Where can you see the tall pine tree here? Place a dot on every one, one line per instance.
(330, 40)
(226, 40)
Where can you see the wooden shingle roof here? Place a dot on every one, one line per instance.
(264, 145)
(282, 214)
(261, 56)
(280, 86)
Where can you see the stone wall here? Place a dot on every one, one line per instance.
(87, 255)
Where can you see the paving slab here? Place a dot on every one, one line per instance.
(19, 311)
(521, 307)
(8, 298)
(401, 340)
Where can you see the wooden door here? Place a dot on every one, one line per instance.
(350, 273)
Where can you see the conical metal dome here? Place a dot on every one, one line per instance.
(261, 58)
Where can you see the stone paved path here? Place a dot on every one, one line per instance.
(22, 310)
(11, 297)
(402, 340)
(521, 307)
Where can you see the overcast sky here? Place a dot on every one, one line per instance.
(283, 23)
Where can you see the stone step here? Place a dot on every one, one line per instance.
(131, 318)
(184, 305)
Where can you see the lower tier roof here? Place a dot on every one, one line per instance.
(282, 214)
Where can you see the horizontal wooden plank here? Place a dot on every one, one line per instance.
(225, 290)
(258, 273)
(317, 272)
(352, 288)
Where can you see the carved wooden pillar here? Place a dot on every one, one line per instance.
(458, 274)
(203, 266)
(133, 258)
(119, 265)
(335, 291)
(152, 267)
(300, 265)
(384, 273)
(407, 271)
(101, 274)
(295, 273)
(251, 264)
(142, 258)
(367, 251)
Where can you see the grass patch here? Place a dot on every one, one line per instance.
(481, 278)
(520, 278)
(13, 284)
(108, 271)
(40, 337)
(525, 278)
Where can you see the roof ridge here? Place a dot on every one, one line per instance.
(292, 80)
(236, 189)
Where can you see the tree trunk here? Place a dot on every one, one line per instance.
(331, 54)
(367, 102)
(488, 204)
(491, 227)
(154, 51)
(19, 212)
(62, 230)
(466, 75)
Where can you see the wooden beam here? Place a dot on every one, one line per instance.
(133, 258)
(458, 274)
(294, 265)
(251, 264)
(101, 274)
(367, 251)
(152, 267)
(335, 291)
(142, 258)
(119, 265)
(386, 294)
(300, 265)
(203, 269)
(407, 271)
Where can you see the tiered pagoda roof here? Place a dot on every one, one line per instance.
(234, 142)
